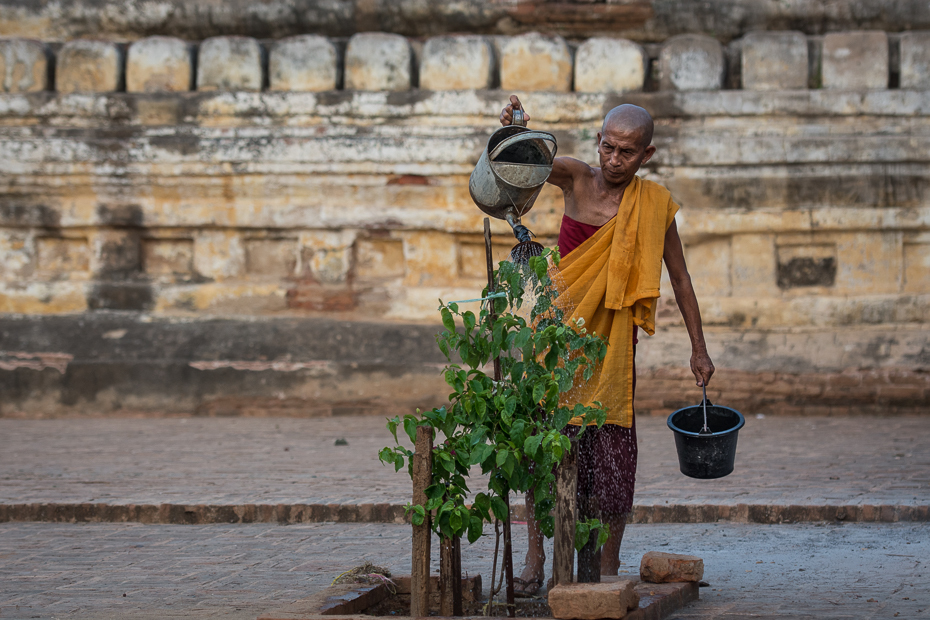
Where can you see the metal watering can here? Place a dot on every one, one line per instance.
(511, 172)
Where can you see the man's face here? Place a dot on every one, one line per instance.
(621, 154)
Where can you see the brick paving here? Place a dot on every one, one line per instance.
(51, 570)
(781, 462)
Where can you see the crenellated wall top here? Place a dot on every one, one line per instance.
(532, 62)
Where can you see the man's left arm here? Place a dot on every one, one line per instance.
(701, 365)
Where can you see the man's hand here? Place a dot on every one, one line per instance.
(702, 367)
(507, 114)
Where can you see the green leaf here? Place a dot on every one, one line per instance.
(517, 431)
(435, 490)
(469, 320)
(447, 321)
(523, 337)
(540, 267)
(418, 516)
(410, 427)
(531, 445)
(475, 529)
(539, 390)
(501, 457)
(499, 508)
(455, 522)
(392, 426)
(582, 534)
(509, 464)
(480, 454)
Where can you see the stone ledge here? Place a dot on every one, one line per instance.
(547, 109)
(769, 514)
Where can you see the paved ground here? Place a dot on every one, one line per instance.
(853, 571)
(781, 461)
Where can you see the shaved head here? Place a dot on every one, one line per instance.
(630, 118)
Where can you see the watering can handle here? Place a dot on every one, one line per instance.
(525, 135)
(518, 118)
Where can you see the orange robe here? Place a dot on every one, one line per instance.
(612, 282)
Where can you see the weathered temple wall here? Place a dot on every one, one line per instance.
(264, 227)
(640, 20)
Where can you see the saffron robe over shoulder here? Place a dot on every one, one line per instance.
(612, 282)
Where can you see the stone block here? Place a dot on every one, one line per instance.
(158, 64)
(536, 62)
(85, 66)
(691, 62)
(229, 63)
(23, 65)
(658, 567)
(17, 255)
(869, 262)
(271, 257)
(774, 61)
(168, 257)
(917, 267)
(753, 265)
(378, 61)
(60, 256)
(855, 60)
(430, 258)
(590, 601)
(303, 63)
(456, 63)
(915, 59)
(377, 259)
(605, 65)
(711, 260)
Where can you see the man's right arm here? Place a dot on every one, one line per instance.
(564, 169)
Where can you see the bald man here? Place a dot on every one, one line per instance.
(593, 197)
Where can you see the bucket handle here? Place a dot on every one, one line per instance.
(524, 135)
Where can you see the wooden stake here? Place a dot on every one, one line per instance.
(450, 577)
(422, 478)
(563, 552)
(507, 567)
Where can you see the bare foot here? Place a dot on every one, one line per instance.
(534, 573)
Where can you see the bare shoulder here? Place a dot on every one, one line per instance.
(568, 171)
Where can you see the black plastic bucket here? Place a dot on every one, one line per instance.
(711, 455)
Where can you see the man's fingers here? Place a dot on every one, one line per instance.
(515, 102)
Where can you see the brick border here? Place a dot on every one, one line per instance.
(198, 514)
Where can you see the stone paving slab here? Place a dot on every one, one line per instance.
(849, 467)
(824, 571)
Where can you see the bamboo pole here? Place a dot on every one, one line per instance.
(422, 477)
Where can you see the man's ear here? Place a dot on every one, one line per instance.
(650, 151)
(597, 140)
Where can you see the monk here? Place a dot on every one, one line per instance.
(616, 231)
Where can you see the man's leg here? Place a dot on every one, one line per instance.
(534, 570)
(610, 554)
